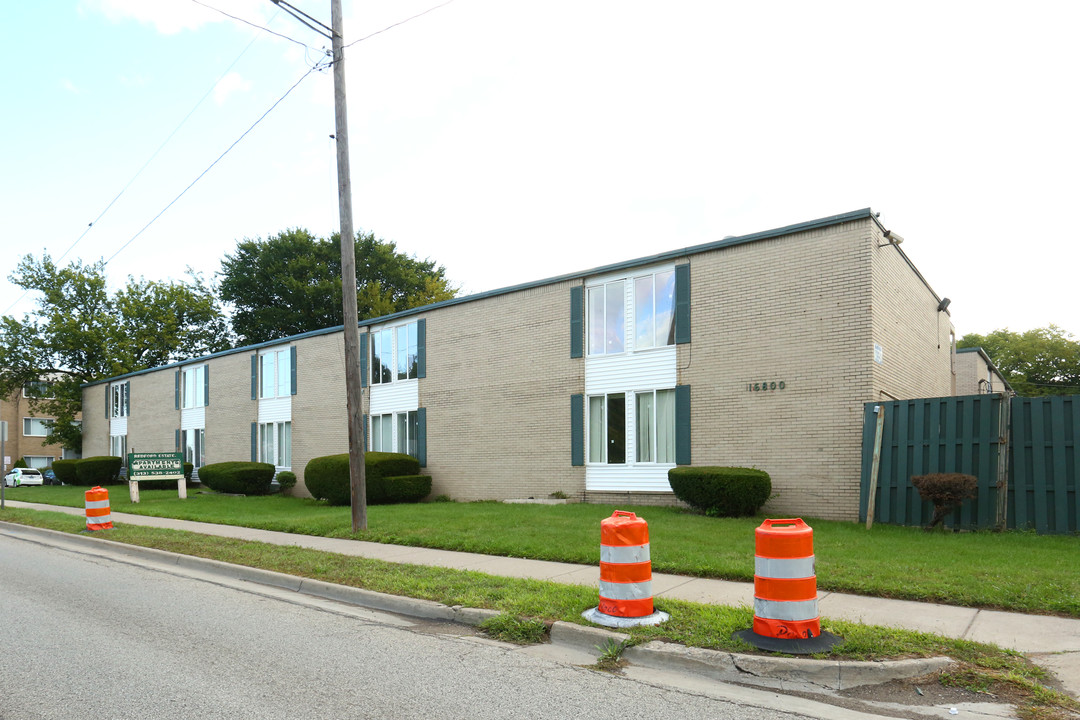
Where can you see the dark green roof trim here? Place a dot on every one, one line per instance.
(863, 214)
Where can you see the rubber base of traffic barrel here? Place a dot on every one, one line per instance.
(794, 646)
(595, 616)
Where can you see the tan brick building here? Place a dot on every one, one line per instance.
(27, 429)
(757, 350)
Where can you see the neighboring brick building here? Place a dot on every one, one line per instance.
(976, 374)
(757, 350)
(27, 430)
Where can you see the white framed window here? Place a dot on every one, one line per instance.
(119, 399)
(193, 387)
(118, 446)
(607, 318)
(35, 427)
(654, 310)
(395, 432)
(654, 423)
(275, 371)
(38, 461)
(395, 354)
(275, 443)
(41, 389)
(193, 444)
(382, 433)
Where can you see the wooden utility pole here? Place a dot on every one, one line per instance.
(353, 386)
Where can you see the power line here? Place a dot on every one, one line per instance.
(210, 167)
(389, 27)
(248, 22)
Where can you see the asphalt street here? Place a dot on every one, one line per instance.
(84, 636)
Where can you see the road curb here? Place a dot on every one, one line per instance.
(828, 675)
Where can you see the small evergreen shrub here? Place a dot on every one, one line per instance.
(241, 478)
(20, 463)
(389, 477)
(188, 470)
(946, 491)
(98, 470)
(65, 471)
(722, 491)
(286, 480)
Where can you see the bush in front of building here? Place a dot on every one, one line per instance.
(389, 477)
(946, 491)
(286, 480)
(65, 471)
(20, 463)
(98, 470)
(239, 478)
(721, 491)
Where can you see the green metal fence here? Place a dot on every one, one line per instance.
(1027, 447)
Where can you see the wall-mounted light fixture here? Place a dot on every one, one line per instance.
(893, 239)
(943, 304)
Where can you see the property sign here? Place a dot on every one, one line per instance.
(155, 466)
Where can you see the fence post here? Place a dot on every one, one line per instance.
(870, 500)
(1003, 462)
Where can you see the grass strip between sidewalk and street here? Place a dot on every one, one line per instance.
(1015, 571)
(985, 668)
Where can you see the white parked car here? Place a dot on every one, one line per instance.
(24, 476)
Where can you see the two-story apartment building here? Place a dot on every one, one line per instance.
(27, 430)
(757, 350)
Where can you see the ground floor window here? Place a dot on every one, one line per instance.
(37, 461)
(275, 444)
(193, 443)
(118, 446)
(407, 425)
(651, 424)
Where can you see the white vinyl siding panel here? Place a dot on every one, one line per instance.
(273, 410)
(652, 369)
(395, 397)
(192, 418)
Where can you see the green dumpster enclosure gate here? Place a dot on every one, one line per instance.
(1025, 453)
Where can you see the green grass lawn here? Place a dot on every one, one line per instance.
(1014, 570)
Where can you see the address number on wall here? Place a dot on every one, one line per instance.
(768, 386)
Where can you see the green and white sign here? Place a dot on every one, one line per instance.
(155, 466)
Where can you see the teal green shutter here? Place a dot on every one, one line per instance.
(254, 376)
(254, 442)
(366, 445)
(682, 424)
(206, 385)
(292, 370)
(107, 398)
(127, 398)
(682, 304)
(421, 436)
(421, 348)
(577, 321)
(577, 430)
(363, 358)
(178, 441)
(177, 389)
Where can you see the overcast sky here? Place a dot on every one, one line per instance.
(514, 141)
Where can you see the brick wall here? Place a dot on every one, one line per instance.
(12, 411)
(231, 410)
(320, 422)
(153, 419)
(497, 393)
(95, 427)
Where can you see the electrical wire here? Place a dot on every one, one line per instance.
(248, 22)
(389, 27)
(219, 158)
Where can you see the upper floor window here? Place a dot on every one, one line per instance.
(654, 310)
(119, 399)
(607, 318)
(38, 389)
(193, 387)
(395, 354)
(275, 368)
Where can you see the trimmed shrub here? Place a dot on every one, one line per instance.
(65, 471)
(946, 491)
(188, 470)
(390, 478)
(722, 491)
(241, 478)
(98, 470)
(20, 463)
(286, 480)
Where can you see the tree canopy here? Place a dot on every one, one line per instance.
(290, 283)
(80, 332)
(1042, 361)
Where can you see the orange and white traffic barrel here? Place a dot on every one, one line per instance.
(785, 589)
(98, 514)
(625, 574)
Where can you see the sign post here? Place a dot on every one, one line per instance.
(3, 471)
(155, 466)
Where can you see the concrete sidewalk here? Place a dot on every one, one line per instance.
(1052, 642)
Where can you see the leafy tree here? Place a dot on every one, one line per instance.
(1043, 361)
(290, 283)
(80, 333)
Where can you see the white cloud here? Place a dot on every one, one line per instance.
(173, 16)
(70, 86)
(229, 84)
